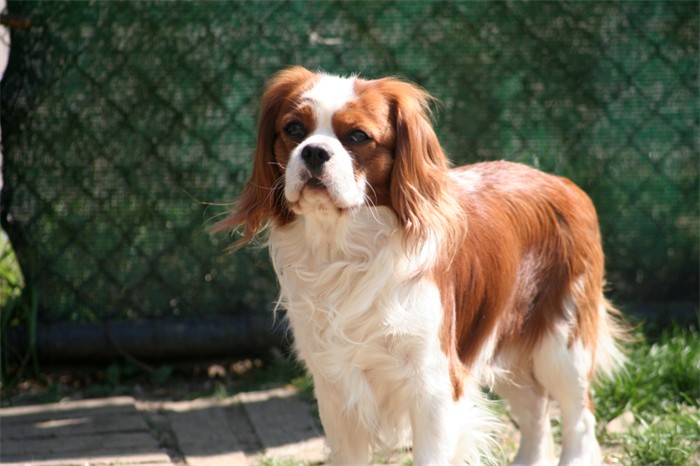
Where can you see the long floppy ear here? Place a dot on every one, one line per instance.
(262, 198)
(420, 178)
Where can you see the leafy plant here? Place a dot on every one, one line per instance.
(13, 313)
(11, 280)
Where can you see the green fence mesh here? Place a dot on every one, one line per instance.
(121, 120)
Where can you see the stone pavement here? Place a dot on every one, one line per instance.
(242, 430)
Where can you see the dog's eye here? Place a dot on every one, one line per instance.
(295, 130)
(358, 137)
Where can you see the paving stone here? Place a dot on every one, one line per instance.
(285, 425)
(104, 431)
(204, 434)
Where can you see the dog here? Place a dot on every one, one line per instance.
(409, 285)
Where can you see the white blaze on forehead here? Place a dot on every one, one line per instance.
(327, 96)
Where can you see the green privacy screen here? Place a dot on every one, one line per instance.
(124, 123)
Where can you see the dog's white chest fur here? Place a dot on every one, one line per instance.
(363, 319)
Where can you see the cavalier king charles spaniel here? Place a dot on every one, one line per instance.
(410, 285)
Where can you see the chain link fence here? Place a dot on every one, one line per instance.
(126, 124)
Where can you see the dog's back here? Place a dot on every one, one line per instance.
(530, 315)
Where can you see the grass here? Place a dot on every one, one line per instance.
(281, 462)
(660, 387)
(662, 369)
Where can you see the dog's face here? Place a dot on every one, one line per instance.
(337, 144)
(335, 138)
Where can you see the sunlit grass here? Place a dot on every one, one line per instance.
(661, 388)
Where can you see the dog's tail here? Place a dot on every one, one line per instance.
(613, 331)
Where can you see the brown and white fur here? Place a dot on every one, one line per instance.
(409, 285)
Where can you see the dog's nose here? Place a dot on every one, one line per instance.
(315, 156)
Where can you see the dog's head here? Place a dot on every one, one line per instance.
(339, 144)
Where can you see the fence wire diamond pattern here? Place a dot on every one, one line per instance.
(122, 121)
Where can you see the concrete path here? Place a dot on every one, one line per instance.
(247, 429)
(243, 430)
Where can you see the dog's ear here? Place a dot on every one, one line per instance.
(262, 199)
(420, 176)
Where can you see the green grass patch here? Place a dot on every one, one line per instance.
(282, 462)
(664, 440)
(659, 373)
(661, 388)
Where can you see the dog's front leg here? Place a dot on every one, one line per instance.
(434, 442)
(347, 439)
